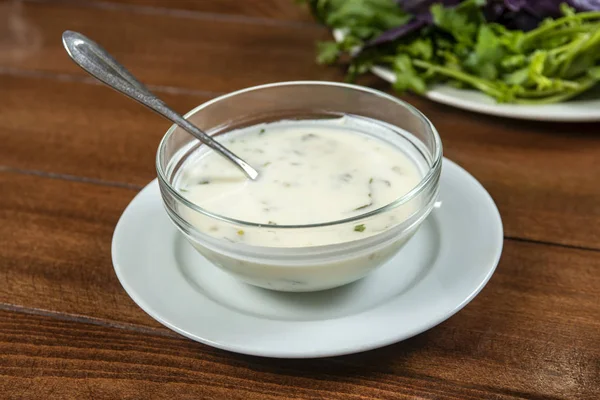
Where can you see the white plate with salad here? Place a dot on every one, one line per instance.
(526, 59)
(577, 110)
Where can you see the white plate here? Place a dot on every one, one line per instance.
(584, 109)
(440, 270)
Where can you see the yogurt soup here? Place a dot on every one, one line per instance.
(311, 172)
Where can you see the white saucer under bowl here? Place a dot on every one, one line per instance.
(441, 269)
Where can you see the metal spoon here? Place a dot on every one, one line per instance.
(102, 66)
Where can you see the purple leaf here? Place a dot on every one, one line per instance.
(422, 17)
(527, 14)
(417, 7)
(392, 34)
(523, 15)
(585, 5)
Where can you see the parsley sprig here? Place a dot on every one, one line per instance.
(554, 62)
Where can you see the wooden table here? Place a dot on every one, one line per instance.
(73, 154)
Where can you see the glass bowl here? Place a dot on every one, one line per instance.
(327, 264)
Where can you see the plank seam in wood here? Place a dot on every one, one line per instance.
(132, 186)
(72, 78)
(541, 242)
(423, 378)
(181, 13)
(72, 178)
(84, 319)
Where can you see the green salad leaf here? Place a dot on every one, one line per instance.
(453, 42)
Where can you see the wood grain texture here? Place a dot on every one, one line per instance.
(165, 49)
(533, 331)
(55, 247)
(542, 175)
(65, 358)
(89, 131)
(284, 10)
(73, 154)
(515, 160)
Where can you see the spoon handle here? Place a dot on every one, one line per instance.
(100, 64)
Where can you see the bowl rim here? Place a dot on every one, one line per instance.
(433, 170)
